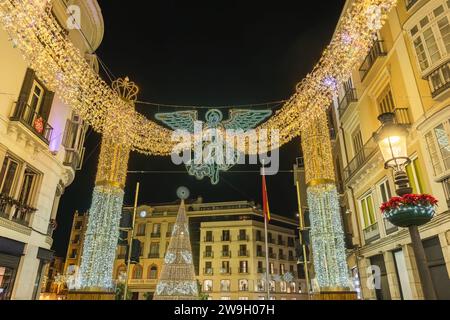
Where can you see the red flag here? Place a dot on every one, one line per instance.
(266, 208)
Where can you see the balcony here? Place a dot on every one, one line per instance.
(168, 234)
(261, 270)
(282, 257)
(15, 211)
(153, 256)
(281, 243)
(349, 98)
(364, 155)
(155, 235)
(376, 52)
(243, 237)
(243, 271)
(372, 233)
(24, 114)
(243, 253)
(271, 241)
(410, 3)
(260, 239)
(208, 254)
(389, 227)
(208, 271)
(291, 243)
(226, 254)
(273, 256)
(209, 239)
(439, 80)
(225, 271)
(260, 254)
(291, 258)
(72, 159)
(225, 239)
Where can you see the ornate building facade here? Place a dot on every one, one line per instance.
(41, 148)
(406, 73)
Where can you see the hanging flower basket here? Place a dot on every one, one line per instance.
(410, 210)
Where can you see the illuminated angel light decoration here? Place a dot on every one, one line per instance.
(177, 280)
(216, 154)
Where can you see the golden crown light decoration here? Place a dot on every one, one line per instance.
(34, 30)
(96, 270)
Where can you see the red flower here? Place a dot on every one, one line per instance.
(409, 200)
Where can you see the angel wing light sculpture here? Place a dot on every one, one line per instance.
(211, 161)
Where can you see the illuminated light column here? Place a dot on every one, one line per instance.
(327, 234)
(99, 250)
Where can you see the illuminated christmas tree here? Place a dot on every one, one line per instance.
(177, 280)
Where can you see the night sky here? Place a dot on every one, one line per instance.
(206, 54)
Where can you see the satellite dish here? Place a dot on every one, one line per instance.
(183, 193)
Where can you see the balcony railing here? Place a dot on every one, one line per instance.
(225, 271)
(155, 234)
(372, 233)
(243, 271)
(260, 239)
(226, 254)
(243, 237)
(260, 254)
(439, 80)
(209, 239)
(281, 242)
(273, 256)
(390, 228)
(32, 120)
(376, 51)
(365, 154)
(244, 253)
(208, 254)
(225, 239)
(282, 257)
(291, 258)
(261, 270)
(410, 3)
(349, 98)
(271, 241)
(72, 159)
(153, 256)
(208, 271)
(15, 211)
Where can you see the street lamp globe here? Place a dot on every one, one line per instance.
(391, 139)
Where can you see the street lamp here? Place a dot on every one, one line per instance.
(392, 140)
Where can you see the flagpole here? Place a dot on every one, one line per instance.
(266, 237)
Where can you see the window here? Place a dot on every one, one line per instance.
(208, 268)
(368, 211)
(386, 101)
(414, 171)
(260, 286)
(28, 185)
(73, 254)
(156, 230)
(141, 229)
(242, 235)
(439, 147)
(385, 191)
(225, 285)
(358, 146)
(282, 269)
(283, 286)
(209, 236)
(272, 286)
(79, 225)
(446, 186)
(169, 230)
(243, 250)
(8, 175)
(226, 251)
(410, 3)
(271, 268)
(226, 235)
(225, 267)
(259, 235)
(431, 37)
(243, 267)
(36, 97)
(243, 285)
(259, 251)
(154, 250)
(137, 272)
(207, 286)
(153, 272)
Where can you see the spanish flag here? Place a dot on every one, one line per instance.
(266, 208)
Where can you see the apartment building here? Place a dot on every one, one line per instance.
(406, 73)
(41, 147)
(228, 247)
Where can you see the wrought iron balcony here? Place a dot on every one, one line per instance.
(155, 234)
(349, 98)
(225, 271)
(244, 253)
(225, 239)
(260, 239)
(24, 114)
(243, 237)
(260, 254)
(364, 155)
(439, 80)
(375, 52)
(282, 257)
(15, 211)
(226, 254)
(273, 256)
(291, 258)
(261, 270)
(372, 233)
(153, 256)
(243, 271)
(209, 239)
(281, 243)
(208, 254)
(208, 271)
(72, 160)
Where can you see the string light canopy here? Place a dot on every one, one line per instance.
(35, 31)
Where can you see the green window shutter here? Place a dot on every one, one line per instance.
(420, 182)
(365, 215)
(47, 104)
(412, 180)
(371, 210)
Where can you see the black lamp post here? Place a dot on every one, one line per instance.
(392, 140)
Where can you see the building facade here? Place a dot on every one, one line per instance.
(228, 250)
(41, 147)
(407, 73)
